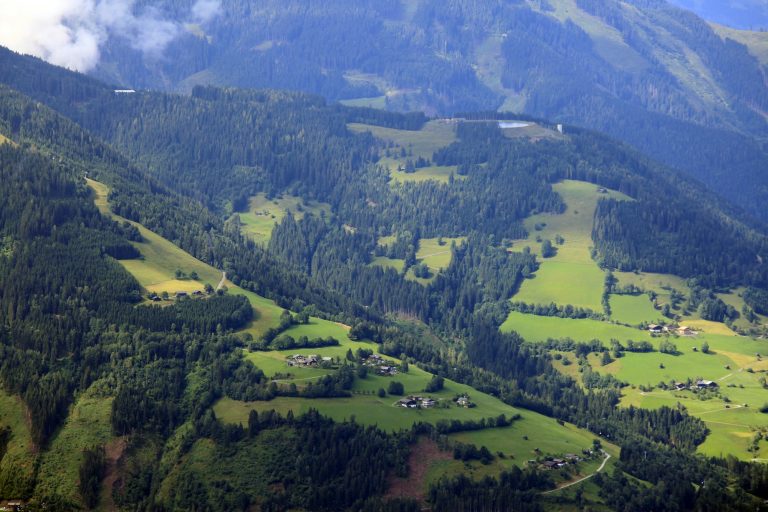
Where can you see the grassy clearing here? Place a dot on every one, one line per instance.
(539, 328)
(18, 465)
(161, 258)
(571, 276)
(87, 426)
(532, 131)
(263, 213)
(437, 257)
(393, 263)
(417, 143)
(434, 255)
(633, 309)
(441, 173)
(379, 102)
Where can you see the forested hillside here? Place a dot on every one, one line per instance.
(362, 331)
(647, 73)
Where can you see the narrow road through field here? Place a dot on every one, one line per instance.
(221, 283)
(607, 456)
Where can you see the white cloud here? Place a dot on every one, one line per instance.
(70, 33)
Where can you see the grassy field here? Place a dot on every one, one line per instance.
(160, 258)
(633, 309)
(437, 257)
(393, 263)
(539, 328)
(17, 467)
(419, 143)
(87, 426)
(661, 284)
(262, 215)
(571, 276)
(379, 102)
(441, 173)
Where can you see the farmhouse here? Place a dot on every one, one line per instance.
(302, 361)
(383, 367)
(706, 384)
(463, 401)
(657, 329)
(416, 402)
(679, 386)
(685, 331)
(553, 464)
(180, 295)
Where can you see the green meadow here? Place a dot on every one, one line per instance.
(539, 328)
(263, 213)
(633, 309)
(393, 263)
(379, 102)
(437, 257)
(571, 276)
(418, 143)
(434, 255)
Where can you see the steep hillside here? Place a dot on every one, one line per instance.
(166, 343)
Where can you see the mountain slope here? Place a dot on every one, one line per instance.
(642, 71)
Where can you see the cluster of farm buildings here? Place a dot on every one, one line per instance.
(381, 366)
(663, 329)
(700, 384)
(416, 402)
(568, 458)
(420, 402)
(311, 361)
(178, 295)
